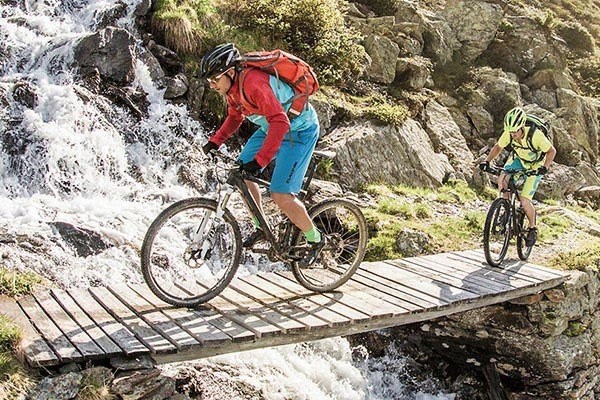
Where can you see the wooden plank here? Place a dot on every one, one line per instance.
(255, 327)
(384, 301)
(74, 333)
(57, 340)
(300, 302)
(373, 307)
(116, 331)
(154, 317)
(77, 314)
(421, 285)
(192, 322)
(34, 347)
(392, 293)
(153, 340)
(230, 299)
(370, 278)
(524, 269)
(488, 277)
(323, 300)
(344, 297)
(267, 299)
(461, 282)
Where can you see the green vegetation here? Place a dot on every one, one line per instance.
(13, 283)
(381, 7)
(14, 378)
(312, 29)
(587, 255)
(553, 225)
(403, 208)
(93, 388)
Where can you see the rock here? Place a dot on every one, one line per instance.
(110, 51)
(411, 243)
(383, 53)
(62, 387)
(446, 138)
(409, 157)
(167, 58)
(131, 363)
(143, 384)
(156, 72)
(474, 25)
(413, 73)
(589, 194)
(83, 241)
(177, 86)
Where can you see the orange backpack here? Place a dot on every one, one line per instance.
(287, 67)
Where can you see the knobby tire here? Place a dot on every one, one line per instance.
(345, 227)
(499, 207)
(164, 259)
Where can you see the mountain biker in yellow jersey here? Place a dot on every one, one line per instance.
(290, 143)
(535, 154)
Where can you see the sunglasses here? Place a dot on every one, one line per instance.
(215, 79)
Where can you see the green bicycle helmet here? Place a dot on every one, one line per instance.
(514, 119)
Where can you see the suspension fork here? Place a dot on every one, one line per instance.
(204, 232)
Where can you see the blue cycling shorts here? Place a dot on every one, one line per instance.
(292, 159)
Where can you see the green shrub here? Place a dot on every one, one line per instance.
(312, 29)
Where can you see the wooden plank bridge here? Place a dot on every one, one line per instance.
(267, 309)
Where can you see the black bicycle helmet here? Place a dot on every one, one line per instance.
(218, 60)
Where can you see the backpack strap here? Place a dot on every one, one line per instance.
(253, 108)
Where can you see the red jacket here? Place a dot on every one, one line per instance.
(258, 92)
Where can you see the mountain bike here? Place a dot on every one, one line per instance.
(506, 219)
(193, 249)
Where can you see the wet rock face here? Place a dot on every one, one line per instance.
(83, 241)
(110, 51)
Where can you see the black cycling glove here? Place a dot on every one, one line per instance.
(209, 146)
(542, 170)
(484, 166)
(252, 167)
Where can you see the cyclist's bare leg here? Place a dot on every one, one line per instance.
(503, 184)
(529, 211)
(293, 209)
(255, 192)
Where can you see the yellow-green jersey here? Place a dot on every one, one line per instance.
(529, 156)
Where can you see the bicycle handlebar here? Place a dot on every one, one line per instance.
(497, 171)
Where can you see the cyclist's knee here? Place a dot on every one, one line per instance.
(283, 200)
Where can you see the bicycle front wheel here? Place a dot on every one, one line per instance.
(496, 232)
(187, 256)
(522, 249)
(345, 229)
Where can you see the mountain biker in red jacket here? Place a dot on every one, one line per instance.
(291, 143)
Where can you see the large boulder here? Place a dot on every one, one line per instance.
(523, 47)
(368, 153)
(383, 53)
(446, 138)
(111, 52)
(474, 25)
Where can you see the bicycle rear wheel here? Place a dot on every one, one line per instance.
(496, 232)
(345, 228)
(522, 249)
(187, 257)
